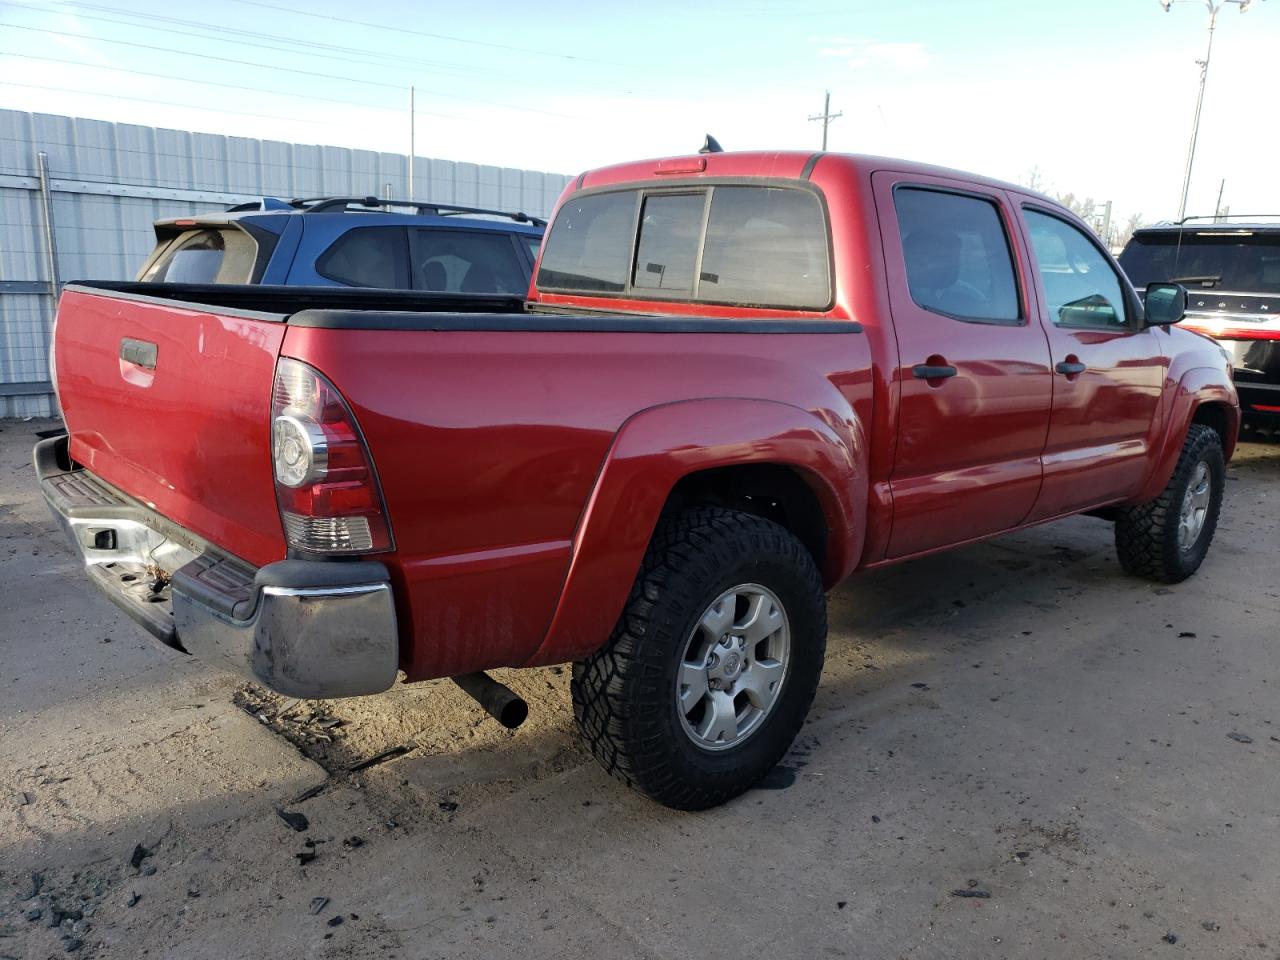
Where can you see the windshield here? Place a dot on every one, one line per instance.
(1241, 262)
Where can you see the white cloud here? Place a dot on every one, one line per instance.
(871, 53)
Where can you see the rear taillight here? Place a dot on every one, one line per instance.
(328, 492)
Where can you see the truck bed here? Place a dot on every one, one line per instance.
(488, 425)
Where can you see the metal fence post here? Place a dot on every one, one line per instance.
(50, 241)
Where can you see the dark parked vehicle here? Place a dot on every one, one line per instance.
(1232, 274)
(350, 242)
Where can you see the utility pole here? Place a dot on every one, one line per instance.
(1214, 7)
(412, 145)
(826, 116)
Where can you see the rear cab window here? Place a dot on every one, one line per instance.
(205, 255)
(734, 244)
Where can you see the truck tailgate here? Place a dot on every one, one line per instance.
(171, 403)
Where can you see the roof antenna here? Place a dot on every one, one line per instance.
(711, 145)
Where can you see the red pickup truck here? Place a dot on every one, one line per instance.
(737, 379)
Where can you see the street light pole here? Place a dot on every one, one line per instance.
(1214, 7)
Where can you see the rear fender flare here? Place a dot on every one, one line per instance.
(653, 451)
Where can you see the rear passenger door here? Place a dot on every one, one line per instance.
(973, 376)
(1109, 370)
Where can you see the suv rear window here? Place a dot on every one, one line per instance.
(207, 255)
(1240, 261)
(752, 246)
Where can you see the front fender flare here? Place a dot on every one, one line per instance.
(1197, 386)
(656, 448)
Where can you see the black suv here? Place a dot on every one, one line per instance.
(1232, 274)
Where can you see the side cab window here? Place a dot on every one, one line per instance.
(1081, 288)
(957, 255)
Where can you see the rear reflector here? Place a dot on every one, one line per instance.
(328, 534)
(328, 493)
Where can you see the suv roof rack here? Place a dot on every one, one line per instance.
(339, 204)
(1229, 217)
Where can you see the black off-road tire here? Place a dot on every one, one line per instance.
(1147, 534)
(624, 696)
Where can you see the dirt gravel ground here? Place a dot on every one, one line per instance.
(1097, 755)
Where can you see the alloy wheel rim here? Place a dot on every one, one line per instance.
(1195, 506)
(734, 667)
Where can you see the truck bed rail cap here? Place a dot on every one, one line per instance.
(563, 323)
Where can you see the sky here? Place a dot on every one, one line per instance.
(1091, 97)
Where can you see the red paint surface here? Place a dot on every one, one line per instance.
(191, 438)
(524, 472)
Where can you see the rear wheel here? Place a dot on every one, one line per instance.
(714, 663)
(1166, 539)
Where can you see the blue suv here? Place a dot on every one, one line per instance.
(350, 242)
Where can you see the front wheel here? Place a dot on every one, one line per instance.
(714, 662)
(1166, 539)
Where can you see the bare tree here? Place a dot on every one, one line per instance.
(1131, 224)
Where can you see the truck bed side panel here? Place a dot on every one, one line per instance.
(489, 443)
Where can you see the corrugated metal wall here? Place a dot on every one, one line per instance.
(110, 181)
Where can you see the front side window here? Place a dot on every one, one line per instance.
(467, 261)
(533, 244)
(368, 257)
(1080, 287)
(957, 255)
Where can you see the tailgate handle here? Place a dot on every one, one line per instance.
(141, 352)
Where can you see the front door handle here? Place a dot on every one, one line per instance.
(1070, 367)
(929, 371)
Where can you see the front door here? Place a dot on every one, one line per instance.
(973, 370)
(1108, 371)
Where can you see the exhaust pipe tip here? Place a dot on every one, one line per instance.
(513, 713)
(497, 699)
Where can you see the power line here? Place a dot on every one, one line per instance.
(423, 33)
(313, 48)
(292, 70)
(216, 83)
(238, 35)
(163, 103)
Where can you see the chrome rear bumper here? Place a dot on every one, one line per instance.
(304, 628)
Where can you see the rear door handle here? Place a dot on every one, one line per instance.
(926, 371)
(1070, 367)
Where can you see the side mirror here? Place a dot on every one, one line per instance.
(1166, 303)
